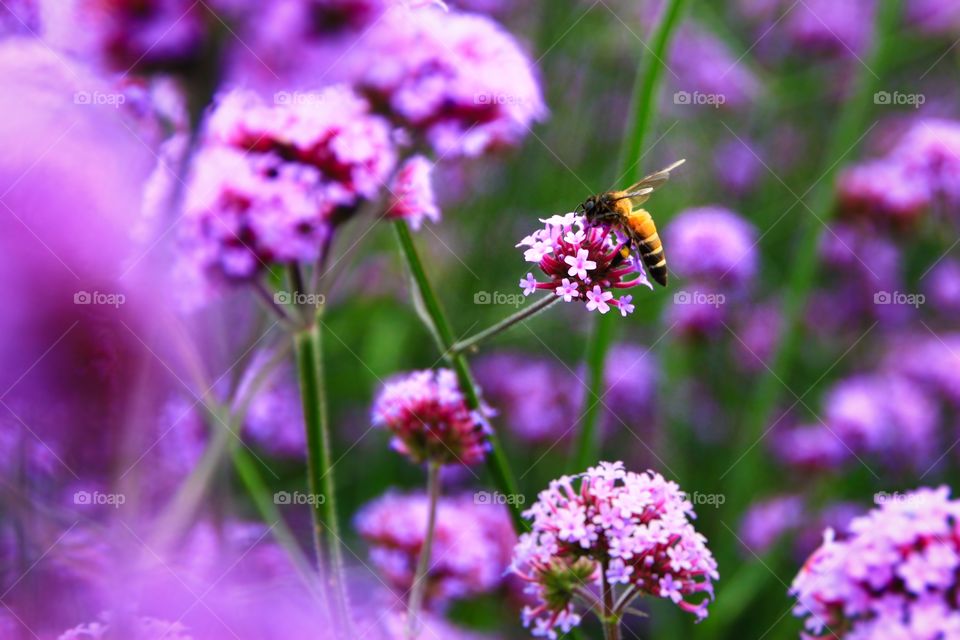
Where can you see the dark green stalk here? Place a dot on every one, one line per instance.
(469, 343)
(436, 321)
(643, 106)
(308, 345)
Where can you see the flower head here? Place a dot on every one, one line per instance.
(609, 524)
(412, 196)
(430, 420)
(895, 576)
(471, 550)
(582, 263)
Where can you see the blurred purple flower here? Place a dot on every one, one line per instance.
(635, 528)
(931, 360)
(768, 520)
(428, 416)
(943, 286)
(19, 17)
(825, 27)
(935, 17)
(471, 548)
(530, 395)
(273, 179)
(412, 196)
(713, 245)
(809, 447)
(708, 74)
(630, 379)
(894, 577)
(274, 420)
(758, 331)
(583, 263)
(738, 165)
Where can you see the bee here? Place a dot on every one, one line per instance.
(621, 209)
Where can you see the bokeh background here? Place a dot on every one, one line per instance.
(802, 367)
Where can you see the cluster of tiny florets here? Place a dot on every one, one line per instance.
(272, 179)
(583, 263)
(427, 414)
(893, 578)
(633, 529)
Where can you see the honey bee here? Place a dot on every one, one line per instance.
(621, 209)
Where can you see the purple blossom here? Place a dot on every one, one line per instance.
(471, 549)
(707, 73)
(608, 523)
(935, 17)
(412, 196)
(713, 245)
(943, 286)
(582, 263)
(429, 418)
(894, 576)
(768, 520)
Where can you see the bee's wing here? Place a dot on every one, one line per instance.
(640, 192)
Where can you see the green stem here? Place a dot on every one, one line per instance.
(505, 324)
(320, 477)
(846, 135)
(611, 619)
(423, 563)
(436, 321)
(643, 104)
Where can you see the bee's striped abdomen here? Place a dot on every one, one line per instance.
(648, 244)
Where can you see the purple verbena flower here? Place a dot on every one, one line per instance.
(429, 418)
(412, 196)
(630, 529)
(713, 245)
(582, 263)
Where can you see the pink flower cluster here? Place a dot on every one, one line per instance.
(457, 78)
(894, 578)
(582, 263)
(471, 547)
(629, 529)
(428, 416)
(272, 180)
(921, 171)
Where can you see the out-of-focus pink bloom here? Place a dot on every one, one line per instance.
(894, 577)
(738, 165)
(631, 529)
(767, 521)
(471, 548)
(824, 27)
(272, 179)
(758, 331)
(943, 286)
(707, 74)
(630, 380)
(412, 196)
(428, 416)
(809, 447)
(275, 415)
(936, 17)
(712, 245)
(19, 17)
(931, 360)
(583, 263)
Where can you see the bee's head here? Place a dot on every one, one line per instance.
(590, 208)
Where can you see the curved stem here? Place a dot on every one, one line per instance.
(423, 563)
(436, 321)
(644, 102)
(505, 324)
(308, 345)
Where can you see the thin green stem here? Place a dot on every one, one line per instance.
(436, 321)
(469, 344)
(643, 104)
(308, 345)
(611, 619)
(423, 562)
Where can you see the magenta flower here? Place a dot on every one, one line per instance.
(470, 552)
(615, 527)
(412, 196)
(428, 416)
(582, 263)
(273, 180)
(895, 576)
